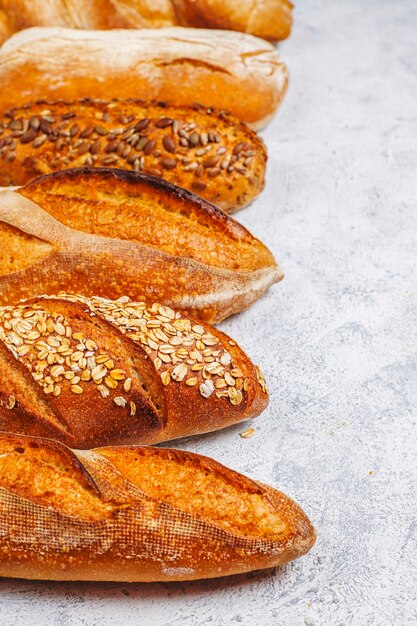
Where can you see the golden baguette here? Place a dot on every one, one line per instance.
(137, 514)
(116, 233)
(90, 371)
(271, 19)
(207, 152)
(221, 69)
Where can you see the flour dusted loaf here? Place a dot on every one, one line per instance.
(225, 70)
(137, 514)
(210, 153)
(90, 371)
(270, 19)
(116, 233)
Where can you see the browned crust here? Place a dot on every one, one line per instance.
(154, 406)
(145, 539)
(171, 192)
(199, 460)
(5, 30)
(271, 20)
(66, 454)
(208, 285)
(238, 155)
(220, 69)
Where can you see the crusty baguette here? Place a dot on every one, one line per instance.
(210, 153)
(114, 232)
(269, 19)
(93, 372)
(137, 514)
(221, 69)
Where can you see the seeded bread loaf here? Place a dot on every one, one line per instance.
(92, 371)
(113, 233)
(221, 69)
(137, 514)
(210, 153)
(269, 19)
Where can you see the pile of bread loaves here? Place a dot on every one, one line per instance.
(127, 136)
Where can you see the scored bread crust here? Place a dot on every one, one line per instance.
(208, 152)
(113, 233)
(90, 371)
(129, 532)
(270, 19)
(221, 69)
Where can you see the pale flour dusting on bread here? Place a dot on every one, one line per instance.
(227, 70)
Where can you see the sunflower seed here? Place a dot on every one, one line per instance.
(164, 122)
(168, 144)
(142, 124)
(168, 164)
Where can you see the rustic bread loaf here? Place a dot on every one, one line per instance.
(221, 69)
(113, 233)
(210, 153)
(271, 19)
(137, 514)
(92, 371)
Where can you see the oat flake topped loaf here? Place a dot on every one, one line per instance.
(90, 371)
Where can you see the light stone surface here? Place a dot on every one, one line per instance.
(336, 340)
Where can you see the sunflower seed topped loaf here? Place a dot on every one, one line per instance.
(112, 232)
(221, 69)
(208, 152)
(90, 371)
(270, 20)
(137, 514)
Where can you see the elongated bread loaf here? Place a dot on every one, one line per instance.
(270, 19)
(221, 69)
(210, 153)
(93, 372)
(116, 233)
(137, 514)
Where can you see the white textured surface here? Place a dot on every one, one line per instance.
(336, 339)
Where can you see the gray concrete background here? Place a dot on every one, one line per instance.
(336, 340)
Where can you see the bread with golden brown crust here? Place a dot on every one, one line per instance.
(208, 152)
(91, 371)
(116, 233)
(269, 19)
(221, 69)
(137, 514)
(5, 27)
